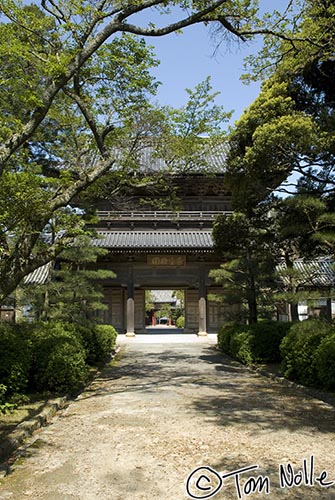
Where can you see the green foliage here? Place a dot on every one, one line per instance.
(225, 333)
(98, 340)
(75, 101)
(325, 362)
(15, 358)
(245, 244)
(290, 126)
(5, 406)
(72, 293)
(265, 144)
(85, 333)
(105, 338)
(257, 343)
(266, 340)
(298, 350)
(307, 348)
(49, 356)
(59, 358)
(149, 300)
(180, 322)
(240, 347)
(164, 312)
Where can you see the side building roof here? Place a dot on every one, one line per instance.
(39, 276)
(318, 272)
(155, 241)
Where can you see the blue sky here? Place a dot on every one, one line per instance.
(188, 58)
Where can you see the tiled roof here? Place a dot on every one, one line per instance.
(155, 240)
(314, 273)
(39, 276)
(163, 296)
(148, 158)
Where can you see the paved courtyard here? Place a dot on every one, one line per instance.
(165, 409)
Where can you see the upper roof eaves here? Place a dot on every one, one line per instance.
(148, 155)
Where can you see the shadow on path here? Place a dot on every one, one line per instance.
(218, 387)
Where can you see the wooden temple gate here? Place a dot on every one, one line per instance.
(154, 249)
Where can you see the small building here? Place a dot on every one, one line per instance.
(162, 308)
(316, 277)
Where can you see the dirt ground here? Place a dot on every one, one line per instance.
(162, 411)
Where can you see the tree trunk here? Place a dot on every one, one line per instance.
(252, 303)
(252, 295)
(253, 313)
(45, 307)
(293, 312)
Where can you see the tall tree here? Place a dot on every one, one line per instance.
(245, 246)
(73, 289)
(290, 126)
(57, 41)
(75, 81)
(266, 144)
(259, 250)
(297, 225)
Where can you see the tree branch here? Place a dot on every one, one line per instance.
(9, 147)
(99, 138)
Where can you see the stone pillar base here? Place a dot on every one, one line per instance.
(202, 334)
(130, 334)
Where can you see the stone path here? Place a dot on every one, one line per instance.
(166, 409)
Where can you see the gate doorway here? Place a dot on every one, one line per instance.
(165, 310)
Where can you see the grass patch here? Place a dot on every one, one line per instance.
(26, 410)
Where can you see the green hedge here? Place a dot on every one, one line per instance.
(325, 362)
(253, 343)
(266, 338)
(50, 356)
(105, 338)
(98, 341)
(15, 357)
(59, 358)
(225, 334)
(240, 346)
(308, 353)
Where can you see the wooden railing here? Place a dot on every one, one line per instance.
(161, 215)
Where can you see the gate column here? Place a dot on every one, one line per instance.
(130, 320)
(202, 305)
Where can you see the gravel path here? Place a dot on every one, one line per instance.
(163, 410)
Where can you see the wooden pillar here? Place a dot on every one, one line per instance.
(329, 315)
(153, 319)
(202, 305)
(130, 319)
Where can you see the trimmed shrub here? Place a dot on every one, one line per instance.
(225, 333)
(15, 358)
(180, 322)
(253, 343)
(98, 340)
(59, 358)
(105, 338)
(265, 340)
(240, 346)
(298, 350)
(325, 362)
(87, 337)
